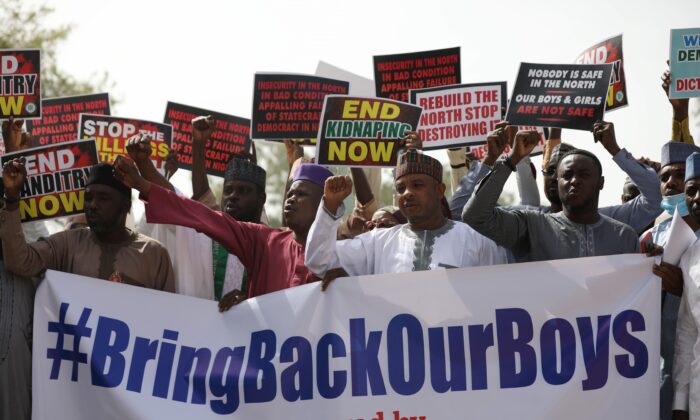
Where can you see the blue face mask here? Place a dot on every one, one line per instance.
(673, 202)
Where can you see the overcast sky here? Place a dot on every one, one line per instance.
(204, 53)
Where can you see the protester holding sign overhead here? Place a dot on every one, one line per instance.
(578, 231)
(429, 240)
(680, 123)
(107, 250)
(638, 212)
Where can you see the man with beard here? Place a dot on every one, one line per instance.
(579, 230)
(686, 369)
(428, 241)
(106, 250)
(274, 258)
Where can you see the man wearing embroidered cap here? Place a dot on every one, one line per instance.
(428, 241)
(686, 366)
(274, 258)
(107, 249)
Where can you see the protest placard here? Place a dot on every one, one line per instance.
(358, 131)
(685, 63)
(60, 117)
(288, 106)
(20, 84)
(112, 133)
(559, 95)
(430, 345)
(359, 86)
(56, 178)
(609, 52)
(396, 74)
(481, 150)
(459, 115)
(231, 136)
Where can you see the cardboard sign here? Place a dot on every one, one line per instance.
(288, 106)
(112, 133)
(56, 178)
(396, 74)
(231, 136)
(359, 86)
(359, 131)
(609, 52)
(480, 151)
(559, 95)
(60, 117)
(685, 63)
(459, 115)
(20, 84)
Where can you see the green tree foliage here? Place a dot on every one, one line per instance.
(24, 26)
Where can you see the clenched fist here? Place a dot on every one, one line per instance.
(138, 147)
(336, 189)
(202, 127)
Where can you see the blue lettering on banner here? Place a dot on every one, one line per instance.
(226, 377)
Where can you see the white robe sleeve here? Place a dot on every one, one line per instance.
(686, 335)
(321, 255)
(191, 256)
(324, 252)
(490, 253)
(527, 184)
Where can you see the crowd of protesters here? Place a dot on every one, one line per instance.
(225, 251)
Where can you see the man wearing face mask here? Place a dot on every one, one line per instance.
(686, 369)
(672, 176)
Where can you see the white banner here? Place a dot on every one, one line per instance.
(567, 339)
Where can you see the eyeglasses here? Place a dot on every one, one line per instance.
(549, 172)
